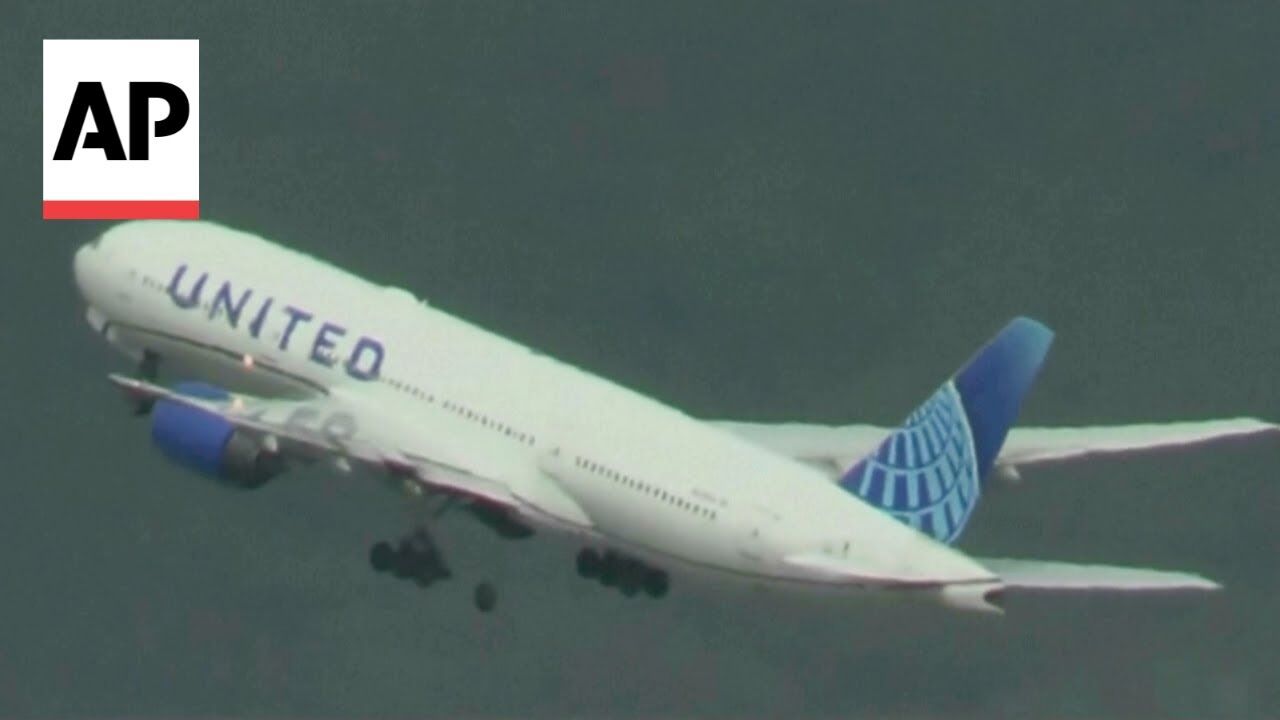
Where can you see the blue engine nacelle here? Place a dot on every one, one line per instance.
(209, 444)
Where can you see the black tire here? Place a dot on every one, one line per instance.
(656, 583)
(422, 568)
(630, 573)
(382, 556)
(609, 567)
(589, 563)
(485, 597)
(405, 564)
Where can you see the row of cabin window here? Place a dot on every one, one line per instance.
(644, 487)
(412, 390)
(468, 413)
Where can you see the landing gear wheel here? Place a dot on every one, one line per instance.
(656, 583)
(382, 556)
(609, 568)
(402, 565)
(629, 577)
(589, 563)
(485, 597)
(415, 558)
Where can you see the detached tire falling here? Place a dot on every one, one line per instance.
(486, 597)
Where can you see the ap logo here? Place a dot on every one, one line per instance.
(121, 129)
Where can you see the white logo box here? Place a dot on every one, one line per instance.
(89, 185)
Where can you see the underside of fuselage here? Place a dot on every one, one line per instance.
(189, 358)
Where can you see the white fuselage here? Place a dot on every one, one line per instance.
(242, 311)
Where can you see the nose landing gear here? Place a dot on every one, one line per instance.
(629, 575)
(149, 370)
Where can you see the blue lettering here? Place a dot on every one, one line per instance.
(369, 369)
(193, 296)
(223, 299)
(255, 327)
(295, 316)
(364, 362)
(324, 343)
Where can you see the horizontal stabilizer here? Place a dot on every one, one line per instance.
(834, 448)
(1032, 445)
(1048, 575)
(828, 568)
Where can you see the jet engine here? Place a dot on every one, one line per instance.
(209, 444)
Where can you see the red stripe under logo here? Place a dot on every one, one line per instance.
(121, 209)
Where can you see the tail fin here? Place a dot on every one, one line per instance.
(928, 473)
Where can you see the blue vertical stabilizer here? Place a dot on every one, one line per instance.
(929, 472)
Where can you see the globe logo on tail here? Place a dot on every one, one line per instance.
(926, 474)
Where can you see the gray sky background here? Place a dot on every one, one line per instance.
(753, 210)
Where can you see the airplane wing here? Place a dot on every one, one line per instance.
(834, 448)
(1050, 575)
(331, 428)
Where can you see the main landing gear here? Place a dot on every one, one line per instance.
(417, 558)
(629, 575)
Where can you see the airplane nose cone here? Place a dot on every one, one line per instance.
(88, 267)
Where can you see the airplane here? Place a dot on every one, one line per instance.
(287, 360)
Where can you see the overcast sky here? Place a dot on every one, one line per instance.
(748, 210)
